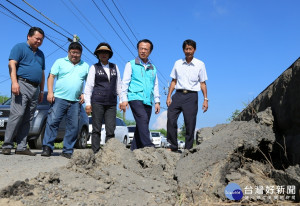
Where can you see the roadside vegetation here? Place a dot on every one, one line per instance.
(3, 99)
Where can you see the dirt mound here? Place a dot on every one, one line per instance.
(240, 152)
(283, 99)
(114, 176)
(258, 155)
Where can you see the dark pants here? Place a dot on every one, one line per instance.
(188, 105)
(141, 114)
(108, 112)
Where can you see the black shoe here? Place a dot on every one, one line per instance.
(6, 151)
(46, 151)
(66, 155)
(25, 152)
(175, 150)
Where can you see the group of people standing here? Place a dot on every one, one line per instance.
(139, 89)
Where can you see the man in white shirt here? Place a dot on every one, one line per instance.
(188, 77)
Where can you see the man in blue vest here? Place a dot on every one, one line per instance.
(140, 90)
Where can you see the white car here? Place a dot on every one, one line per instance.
(181, 144)
(131, 130)
(164, 142)
(156, 139)
(121, 132)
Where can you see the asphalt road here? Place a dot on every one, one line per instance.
(19, 167)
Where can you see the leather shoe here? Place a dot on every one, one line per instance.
(175, 150)
(66, 155)
(46, 151)
(25, 152)
(6, 151)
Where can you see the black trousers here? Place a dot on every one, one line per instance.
(188, 105)
(141, 114)
(100, 112)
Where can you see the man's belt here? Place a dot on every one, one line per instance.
(29, 82)
(185, 91)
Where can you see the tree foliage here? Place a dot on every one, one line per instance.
(233, 115)
(182, 133)
(127, 122)
(3, 99)
(236, 112)
(162, 131)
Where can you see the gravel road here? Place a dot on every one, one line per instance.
(16, 167)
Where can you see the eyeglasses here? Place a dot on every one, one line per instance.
(75, 53)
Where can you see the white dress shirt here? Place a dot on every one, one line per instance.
(190, 75)
(90, 82)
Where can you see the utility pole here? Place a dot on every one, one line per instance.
(75, 38)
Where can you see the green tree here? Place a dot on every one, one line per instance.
(3, 99)
(127, 122)
(233, 115)
(236, 112)
(162, 131)
(181, 134)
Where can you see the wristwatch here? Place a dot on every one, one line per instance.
(206, 99)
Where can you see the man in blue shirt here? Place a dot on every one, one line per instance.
(188, 77)
(26, 67)
(71, 72)
(140, 90)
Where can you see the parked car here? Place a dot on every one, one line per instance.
(164, 142)
(181, 144)
(121, 132)
(131, 130)
(38, 125)
(156, 139)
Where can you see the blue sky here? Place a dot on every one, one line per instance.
(245, 45)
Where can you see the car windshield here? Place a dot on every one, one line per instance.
(155, 134)
(7, 102)
(44, 102)
(131, 129)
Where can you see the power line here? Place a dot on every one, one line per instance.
(118, 23)
(31, 26)
(125, 21)
(133, 35)
(58, 26)
(39, 20)
(46, 17)
(56, 50)
(12, 18)
(113, 28)
(87, 20)
(121, 58)
(4, 80)
(161, 75)
(55, 38)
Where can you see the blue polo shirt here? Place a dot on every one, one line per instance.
(30, 64)
(70, 78)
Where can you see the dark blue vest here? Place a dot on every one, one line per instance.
(105, 91)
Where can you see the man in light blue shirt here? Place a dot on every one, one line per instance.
(188, 77)
(71, 72)
(140, 90)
